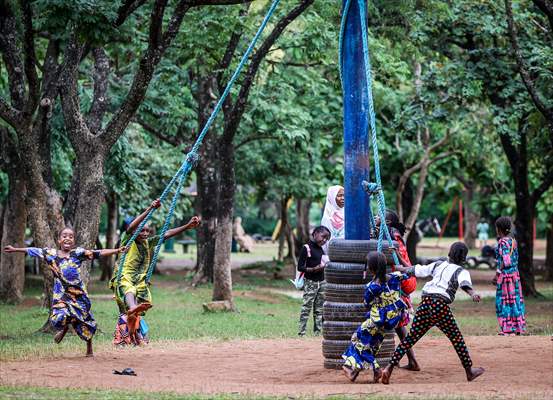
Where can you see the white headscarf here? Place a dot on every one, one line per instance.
(333, 216)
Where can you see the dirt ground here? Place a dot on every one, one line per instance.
(516, 367)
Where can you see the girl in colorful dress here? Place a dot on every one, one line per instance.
(509, 302)
(70, 302)
(437, 295)
(382, 298)
(333, 216)
(408, 286)
(132, 292)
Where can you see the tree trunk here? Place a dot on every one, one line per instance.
(302, 223)
(412, 238)
(524, 225)
(282, 236)
(471, 217)
(549, 251)
(106, 263)
(12, 266)
(222, 278)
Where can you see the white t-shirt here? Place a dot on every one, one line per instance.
(446, 278)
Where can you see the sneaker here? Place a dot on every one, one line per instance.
(301, 334)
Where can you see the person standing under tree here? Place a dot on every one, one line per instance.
(333, 214)
(482, 230)
(311, 263)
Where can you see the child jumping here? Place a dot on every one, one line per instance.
(70, 302)
(132, 293)
(311, 264)
(386, 308)
(447, 277)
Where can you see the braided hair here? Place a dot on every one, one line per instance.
(503, 225)
(458, 253)
(376, 263)
(392, 220)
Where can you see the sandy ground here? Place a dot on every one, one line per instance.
(516, 367)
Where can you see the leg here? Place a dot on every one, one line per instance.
(58, 337)
(59, 320)
(448, 326)
(412, 365)
(309, 293)
(318, 309)
(422, 322)
(89, 352)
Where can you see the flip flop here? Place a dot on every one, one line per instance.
(126, 371)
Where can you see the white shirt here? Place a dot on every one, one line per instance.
(446, 278)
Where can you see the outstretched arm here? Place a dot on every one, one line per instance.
(110, 252)
(134, 224)
(475, 296)
(11, 249)
(193, 223)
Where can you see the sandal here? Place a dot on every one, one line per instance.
(126, 371)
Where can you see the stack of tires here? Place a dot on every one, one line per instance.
(344, 309)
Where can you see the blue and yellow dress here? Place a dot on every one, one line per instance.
(386, 310)
(70, 302)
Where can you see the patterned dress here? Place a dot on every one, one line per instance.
(70, 302)
(385, 312)
(509, 302)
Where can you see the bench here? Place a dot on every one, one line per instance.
(185, 244)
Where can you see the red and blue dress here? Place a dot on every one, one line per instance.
(509, 301)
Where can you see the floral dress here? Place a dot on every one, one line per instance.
(386, 309)
(70, 302)
(509, 302)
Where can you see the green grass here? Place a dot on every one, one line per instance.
(31, 393)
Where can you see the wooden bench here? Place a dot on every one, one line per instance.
(185, 244)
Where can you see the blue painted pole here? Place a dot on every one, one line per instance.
(356, 134)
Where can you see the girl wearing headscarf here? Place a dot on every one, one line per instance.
(333, 216)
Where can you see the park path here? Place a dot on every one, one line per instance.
(516, 368)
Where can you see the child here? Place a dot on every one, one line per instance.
(70, 302)
(310, 263)
(509, 302)
(408, 286)
(382, 298)
(132, 293)
(447, 277)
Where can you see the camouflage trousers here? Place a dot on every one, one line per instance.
(313, 299)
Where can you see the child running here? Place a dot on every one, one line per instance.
(311, 264)
(386, 308)
(70, 302)
(509, 302)
(447, 277)
(132, 293)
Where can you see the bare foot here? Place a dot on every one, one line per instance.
(350, 373)
(89, 352)
(139, 309)
(412, 366)
(386, 373)
(377, 375)
(473, 373)
(58, 337)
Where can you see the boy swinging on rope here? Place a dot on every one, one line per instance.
(132, 292)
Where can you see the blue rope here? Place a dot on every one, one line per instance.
(192, 155)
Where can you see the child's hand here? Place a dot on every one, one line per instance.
(476, 297)
(155, 204)
(194, 222)
(123, 249)
(9, 249)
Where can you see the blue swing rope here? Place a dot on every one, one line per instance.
(375, 188)
(191, 158)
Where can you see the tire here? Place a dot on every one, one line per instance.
(355, 251)
(335, 348)
(346, 273)
(339, 330)
(353, 312)
(343, 293)
(471, 263)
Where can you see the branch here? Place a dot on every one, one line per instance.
(172, 140)
(99, 102)
(513, 35)
(156, 48)
(9, 114)
(441, 156)
(195, 3)
(440, 142)
(240, 104)
(544, 185)
(11, 56)
(29, 57)
(546, 6)
(126, 9)
(254, 139)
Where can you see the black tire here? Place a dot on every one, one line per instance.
(346, 273)
(335, 348)
(339, 330)
(353, 312)
(340, 293)
(355, 251)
